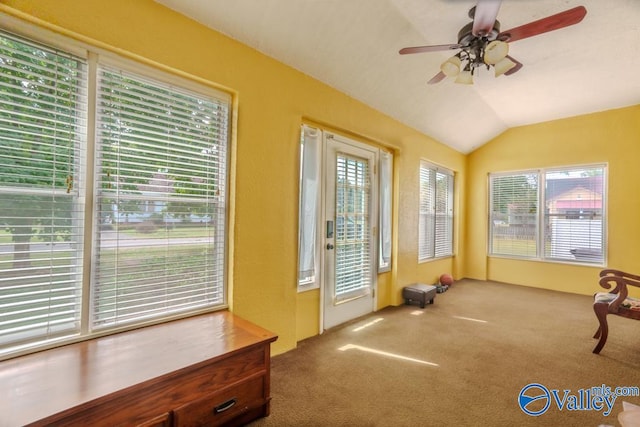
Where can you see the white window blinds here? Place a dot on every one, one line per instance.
(42, 127)
(514, 214)
(352, 236)
(435, 227)
(157, 171)
(555, 214)
(574, 214)
(161, 197)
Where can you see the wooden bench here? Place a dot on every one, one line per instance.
(616, 301)
(212, 369)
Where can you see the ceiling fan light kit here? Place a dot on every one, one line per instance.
(502, 66)
(495, 52)
(482, 44)
(465, 77)
(451, 67)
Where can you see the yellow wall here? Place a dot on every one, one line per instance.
(610, 137)
(272, 101)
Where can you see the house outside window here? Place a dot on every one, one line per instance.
(552, 214)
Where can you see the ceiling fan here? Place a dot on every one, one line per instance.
(482, 44)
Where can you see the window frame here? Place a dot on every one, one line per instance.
(542, 217)
(149, 80)
(54, 263)
(88, 166)
(431, 237)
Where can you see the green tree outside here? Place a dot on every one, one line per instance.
(39, 129)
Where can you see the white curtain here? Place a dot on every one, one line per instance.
(386, 180)
(310, 160)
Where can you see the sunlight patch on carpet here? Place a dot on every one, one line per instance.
(470, 319)
(384, 353)
(417, 313)
(366, 325)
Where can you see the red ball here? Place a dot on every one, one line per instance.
(446, 279)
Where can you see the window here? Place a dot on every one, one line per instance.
(435, 227)
(158, 165)
(42, 130)
(514, 214)
(160, 185)
(552, 214)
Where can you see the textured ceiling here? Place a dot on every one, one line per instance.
(352, 45)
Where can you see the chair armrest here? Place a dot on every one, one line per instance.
(619, 277)
(621, 280)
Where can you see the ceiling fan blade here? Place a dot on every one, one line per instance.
(437, 78)
(434, 48)
(514, 69)
(550, 23)
(484, 17)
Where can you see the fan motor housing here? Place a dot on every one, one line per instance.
(465, 37)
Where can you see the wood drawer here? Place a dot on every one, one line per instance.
(223, 406)
(163, 420)
(140, 377)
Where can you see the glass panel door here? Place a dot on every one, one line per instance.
(349, 233)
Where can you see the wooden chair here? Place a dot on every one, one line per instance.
(615, 301)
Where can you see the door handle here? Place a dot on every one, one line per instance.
(329, 246)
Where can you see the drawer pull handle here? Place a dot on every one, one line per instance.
(225, 406)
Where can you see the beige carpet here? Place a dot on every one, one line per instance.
(460, 362)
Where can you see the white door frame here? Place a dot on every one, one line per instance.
(369, 303)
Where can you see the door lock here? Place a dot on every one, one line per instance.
(329, 246)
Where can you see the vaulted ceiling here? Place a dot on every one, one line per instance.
(352, 45)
